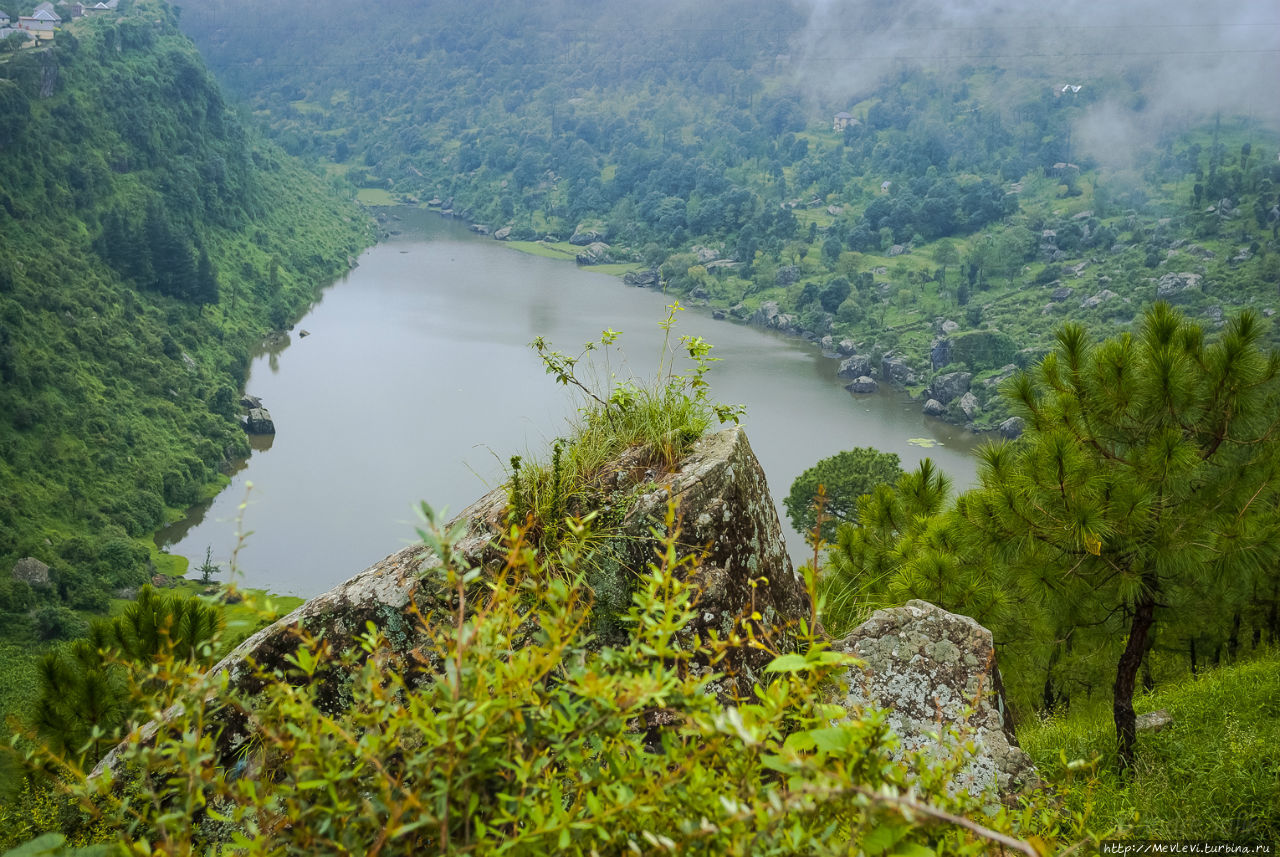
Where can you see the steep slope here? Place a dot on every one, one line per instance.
(149, 242)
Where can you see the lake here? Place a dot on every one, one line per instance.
(416, 382)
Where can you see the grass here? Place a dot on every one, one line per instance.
(375, 196)
(1213, 774)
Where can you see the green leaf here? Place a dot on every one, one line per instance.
(791, 663)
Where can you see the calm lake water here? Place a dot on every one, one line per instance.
(417, 383)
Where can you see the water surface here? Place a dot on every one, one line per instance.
(417, 383)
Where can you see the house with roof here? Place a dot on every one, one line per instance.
(39, 21)
(5, 20)
(843, 120)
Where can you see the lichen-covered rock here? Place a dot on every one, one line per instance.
(1012, 428)
(969, 405)
(1154, 721)
(728, 519)
(934, 408)
(928, 669)
(31, 571)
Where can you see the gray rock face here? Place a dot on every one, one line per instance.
(946, 387)
(585, 236)
(595, 253)
(1178, 287)
(969, 405)
(926, 666)
(766, 315)
(1098, 299)
(895, 370)
(247, 401)
(1061, 294)
(31, 571)
(644, 279)
(503, 234)
(1012, 428)
(728, 518)
(740, 311)
(789, 274)
(259, 422)
(939, 352)
(934, 408)
(847, 348)
(864, 384)
(855, 366)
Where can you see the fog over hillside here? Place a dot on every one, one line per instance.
(1187, 59)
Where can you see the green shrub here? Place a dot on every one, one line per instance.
(513, 730)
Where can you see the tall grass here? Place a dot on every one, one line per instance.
(1214, 773)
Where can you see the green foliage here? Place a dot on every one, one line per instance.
(1143, 502)
(84, 688)
(513, 730)
(140, 219)
(1211, 774)
(655, 422)
(847, 476)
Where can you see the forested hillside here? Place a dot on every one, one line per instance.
(967, 207)
(148, 242)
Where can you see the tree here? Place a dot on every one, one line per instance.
(1149, 476)
(84, 688)
(846, 476)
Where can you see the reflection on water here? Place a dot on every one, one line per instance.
(417, 382)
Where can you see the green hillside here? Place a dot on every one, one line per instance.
(959, 194)
(148, 242)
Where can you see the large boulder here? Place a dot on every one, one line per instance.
(855, 366)
(928, 668)
(1012, 428)
(648, 279)
(259, 422)
(595, 253)
(766, 315)
(895, 370)
(32, 572)
(1178, 287)
(939, 352)
(864, 384)
(584, 236)
(933, 408)
(969, 405)
(729, 520)
(950, 386)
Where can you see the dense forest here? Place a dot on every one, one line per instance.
(960, 212)
(150, 242)
(1014, 220)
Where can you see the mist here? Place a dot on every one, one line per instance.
(1181, 61)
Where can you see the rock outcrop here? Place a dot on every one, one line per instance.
(930, 669)
(259, 422)
(950, 386)
(728, 518)
(862, 384)
(32, 572)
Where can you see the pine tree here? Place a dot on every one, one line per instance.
(1148, 477)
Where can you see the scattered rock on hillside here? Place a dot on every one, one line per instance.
(1154, 721)
(926, 667)
(969, 405)
(502, 234)
(1178, 287)
(584, 236)
(31, 571)
(247, 401)
(939, 352)
(1012, 428)
(1098, 299)
(595, 253)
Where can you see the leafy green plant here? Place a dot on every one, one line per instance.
(654, 422)
(511, 730)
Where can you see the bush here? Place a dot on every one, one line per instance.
(514, 730)
(55, 622)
